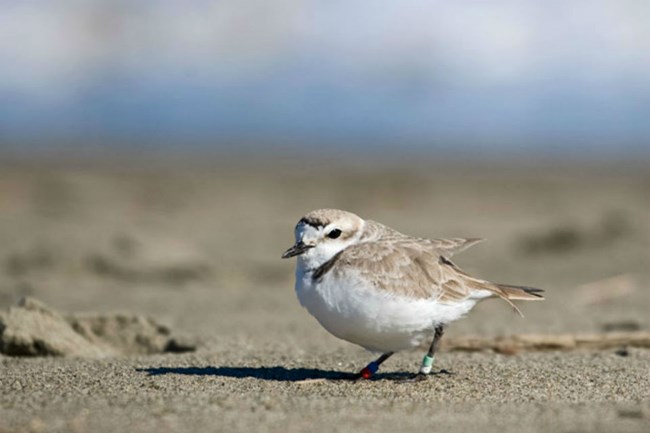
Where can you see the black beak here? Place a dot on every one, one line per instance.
(296, 250)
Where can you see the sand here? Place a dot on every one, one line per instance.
(197, 248)
(242, 391)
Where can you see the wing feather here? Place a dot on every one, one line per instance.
(450, 247)
(420, 268)
(409, 268)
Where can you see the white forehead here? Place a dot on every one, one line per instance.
(306, 231)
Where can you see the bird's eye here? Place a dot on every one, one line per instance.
(334, 234)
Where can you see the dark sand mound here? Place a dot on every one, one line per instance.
(33, 329)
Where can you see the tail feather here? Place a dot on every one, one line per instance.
(521, 293)
(510, 293)
(507, 292)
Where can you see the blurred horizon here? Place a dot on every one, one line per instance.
(461, 79)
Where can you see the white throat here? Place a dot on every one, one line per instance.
(315, 257)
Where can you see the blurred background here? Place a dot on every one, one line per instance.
(154, 156)
(433, 77)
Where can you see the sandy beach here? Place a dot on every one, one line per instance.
(196, 248)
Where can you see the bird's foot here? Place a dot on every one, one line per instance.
(367, 372)
(364, 374)
(417, 377)
(420, 376)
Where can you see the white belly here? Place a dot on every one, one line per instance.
(374, 319)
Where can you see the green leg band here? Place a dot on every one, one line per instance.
(427, 362)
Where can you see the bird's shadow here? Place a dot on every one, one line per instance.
(277, 373)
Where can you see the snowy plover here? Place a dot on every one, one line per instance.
(385, 291)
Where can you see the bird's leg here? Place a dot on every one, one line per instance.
(370, 369)
(427, 362)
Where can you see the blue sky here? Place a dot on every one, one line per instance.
(501, 74)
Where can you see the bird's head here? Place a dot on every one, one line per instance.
(323, 233)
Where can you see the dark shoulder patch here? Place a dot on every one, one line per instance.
(445, 261)
(325, 267)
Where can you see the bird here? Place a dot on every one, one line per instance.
(385, 291)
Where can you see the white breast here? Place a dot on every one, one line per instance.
(351, 309)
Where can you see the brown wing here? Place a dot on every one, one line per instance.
(408, 268)
(449, 247)
(446, 247)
